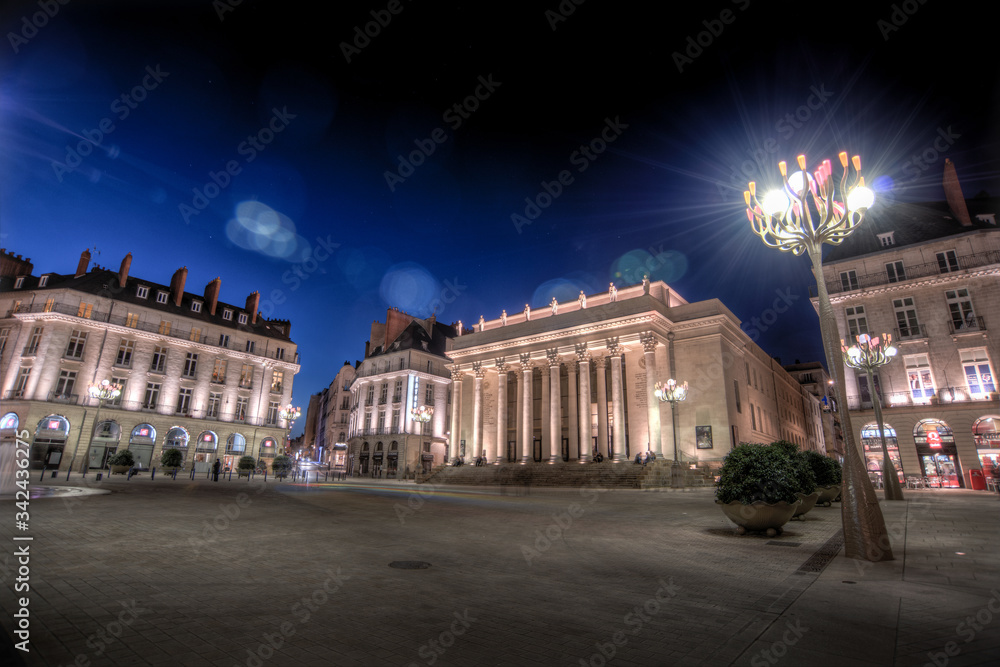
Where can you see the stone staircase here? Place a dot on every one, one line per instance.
(566, 474)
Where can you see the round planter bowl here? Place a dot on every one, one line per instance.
(759, 516)
(120, 470)
(808, 502)
(827, 494)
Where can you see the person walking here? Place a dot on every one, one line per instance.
(215, 470)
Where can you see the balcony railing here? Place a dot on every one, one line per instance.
(62, 397)
(965, 262)
(942, 396)
(911, 332)
(970, 325)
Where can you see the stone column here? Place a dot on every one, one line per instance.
(555, 413)
(572, 407)
(477, 410)
(601, 365)
(501, 411)
(456, 414)
(543, 408)
(586, 438)
(526, 419)
(617, 402)
(648, 340)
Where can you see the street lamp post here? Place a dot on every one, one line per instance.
(671, 392)
(422, 415)
(102, 391)
(869, 354)
(800, 218)
(289, 413)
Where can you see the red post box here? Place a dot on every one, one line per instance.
(976, 480)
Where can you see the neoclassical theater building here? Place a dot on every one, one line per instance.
(576, 380)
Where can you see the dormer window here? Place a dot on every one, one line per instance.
(988, 218)
(161, 297)
(242, 318)
(142, 291)
(227, 314)
(886, 239)
(43, 281)
(19, 283)
(196, 306)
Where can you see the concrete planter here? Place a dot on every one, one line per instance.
(120, 470)
(759, 516)
(827, 494)
(808, 502)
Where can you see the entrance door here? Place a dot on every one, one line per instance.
(511, 451)
(99, 456)
(942, 471)
(143, 455)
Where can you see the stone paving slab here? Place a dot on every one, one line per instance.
(186, 572)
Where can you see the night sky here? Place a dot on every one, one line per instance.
(340, 173)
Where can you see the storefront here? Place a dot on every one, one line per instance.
(987, 438)
(873, 449)
(937, 454)
(177, 438)
(50, 441)
(104, 443)
(235, 448)
(204, 452)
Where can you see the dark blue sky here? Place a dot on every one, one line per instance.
(261, 143)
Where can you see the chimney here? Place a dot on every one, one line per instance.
(123, 271)
(212, 294)
(177, 285)
(81, 268)
(953, 193)
(253, 302)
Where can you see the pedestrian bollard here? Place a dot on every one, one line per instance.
(152, 474)
(192, 472)
(129, 476)
(98, 478)
(265, 476)
(230, 475)
(175, 473)
(41, 477)
(67, 475)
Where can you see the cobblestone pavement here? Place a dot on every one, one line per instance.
(182, 572)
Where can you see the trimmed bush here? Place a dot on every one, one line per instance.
(754, 472)
(827, 471)
(281, 465)
(246, 463)
(803, 470)
(171, 458)
(122, 457)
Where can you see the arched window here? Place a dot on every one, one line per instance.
(108, 430)
(53, 426)
(177, 438)
(236, 444)
(364, 447)
(143, 434)
(10, 421)
(873, 448)
(986, 432)
(208, 441)
(267, 447)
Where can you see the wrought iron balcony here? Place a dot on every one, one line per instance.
(913, 332)
(61, 397)
(970, 325)
(965, 262)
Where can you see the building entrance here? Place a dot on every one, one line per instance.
(942, 470)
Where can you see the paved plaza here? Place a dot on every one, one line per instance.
(182, 572)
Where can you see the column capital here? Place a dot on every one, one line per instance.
(525, 361)
(582, 355)
(648, 340)
(601, 362)
(456, 375)
(477, 369)
(502, 366)
(614, 347)
(553, 357)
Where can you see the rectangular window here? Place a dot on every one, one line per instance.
(65, 384)
(4, 335)
(755, 378)
(195, 335)
(849, 280)
(224, 340)
(918, 371)
(978, 373)
(22, 382)
(383, 392)
(381, 422)
(49, 305)
(125, 349)
(132, 320)
(219, 371)
(43, 281)
(36, 338)
(196, 306)
(736, 388)
(142, 291)
(397, 391)
(164, 329)
(947, 261)
(748, 372)
(246, 376)
(77, 341)
(279, 353)
(368, 422)
(272, 413)
(894, 271)
(395, 421)
(760, 419)
(250, 346)
(857, 321)
(429, 395)
(19, 283)
(402, 363)
(159, 362)
(190, 365)
(886, 239)
(371, 395)
(184, 401)
(277, 379)
(161, 297)
(906, 317)
(753, 418)
(241, 408)
(152, 396)
(214, 403)
(123, 383)
(242, 319)
(227, 314)
(960, 308)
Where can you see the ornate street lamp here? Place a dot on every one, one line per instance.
(800, 218)
(102, 391)
(868, 355)
(673, 393)
(422, 415)
(289, 413)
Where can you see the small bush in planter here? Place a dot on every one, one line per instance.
(246, 464)
(122, 458)
(803, 470)
(171, 458)
(753, 472)
(281, 465)
(827, 471)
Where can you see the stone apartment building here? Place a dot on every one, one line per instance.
(198, 374)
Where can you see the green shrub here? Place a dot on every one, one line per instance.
(171, 458)
(827, 471)
(122, 457)
(246, 463)
(803, 470)
(281, 465)
(754, 472)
